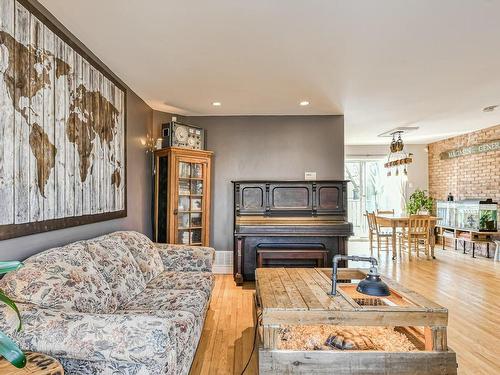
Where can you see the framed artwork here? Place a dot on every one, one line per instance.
(62, 129)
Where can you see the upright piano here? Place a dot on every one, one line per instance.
(288, 215)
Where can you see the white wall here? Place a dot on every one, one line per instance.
(418, 176)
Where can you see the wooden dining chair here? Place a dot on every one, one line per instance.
(375, 232)
(385, 212)
(417, 233)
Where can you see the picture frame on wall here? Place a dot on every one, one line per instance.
(63, 129)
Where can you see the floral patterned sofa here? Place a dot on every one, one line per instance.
(116, 304)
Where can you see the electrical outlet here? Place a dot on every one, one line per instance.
(310, 176)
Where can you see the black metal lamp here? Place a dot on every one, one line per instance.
(372, 285)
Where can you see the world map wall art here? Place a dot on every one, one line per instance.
(62, 129)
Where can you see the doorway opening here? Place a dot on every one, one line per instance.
(370, 189)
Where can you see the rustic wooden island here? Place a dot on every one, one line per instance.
(292, 303)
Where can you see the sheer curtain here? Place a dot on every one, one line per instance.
(396, 190)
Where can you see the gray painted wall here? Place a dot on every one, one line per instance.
(267, 147)
(139, 123)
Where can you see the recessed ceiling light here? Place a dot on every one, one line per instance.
(303, 103)
(216, 104)
(490, 108)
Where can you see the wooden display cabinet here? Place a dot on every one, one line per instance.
(182, 196)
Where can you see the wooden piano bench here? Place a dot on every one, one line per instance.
(319, 255)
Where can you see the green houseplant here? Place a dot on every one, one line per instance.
(487, 221)
(419, 201)
(8, 348)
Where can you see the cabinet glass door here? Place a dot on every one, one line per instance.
(190, 203)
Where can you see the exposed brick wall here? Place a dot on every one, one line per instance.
(472, 176)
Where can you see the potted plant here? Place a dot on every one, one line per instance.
(419, 203)
(8, 348)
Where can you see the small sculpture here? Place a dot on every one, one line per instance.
(339, 342)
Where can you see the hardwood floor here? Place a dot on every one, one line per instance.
(467, 287)
(227, 337)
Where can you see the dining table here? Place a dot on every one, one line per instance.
(401, 221)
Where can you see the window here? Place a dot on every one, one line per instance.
(370, 189)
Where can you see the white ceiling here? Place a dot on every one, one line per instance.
(383, 64)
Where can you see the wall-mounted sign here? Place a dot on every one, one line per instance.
(469, 150)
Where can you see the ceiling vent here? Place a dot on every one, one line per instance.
(401, 129)
(490, 108)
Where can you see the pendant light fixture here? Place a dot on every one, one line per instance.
(397, 156)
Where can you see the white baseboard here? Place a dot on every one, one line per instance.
(220, 269)
(223, 262)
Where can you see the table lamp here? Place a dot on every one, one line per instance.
(372, 285)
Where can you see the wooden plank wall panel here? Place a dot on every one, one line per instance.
(94, 184)
(107, 201)
(57, 111)
(113, 101)
(71, 170)
(79, 141)
(122, 153)
(7, 124)
(119, 151)
(114, 199)
(104, 197)
(115, 190)
(21, 139)
(86, 141)
(60, 115)
(35, 111)
(103, 204)
(49, 149)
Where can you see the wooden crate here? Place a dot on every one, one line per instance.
(294, 296)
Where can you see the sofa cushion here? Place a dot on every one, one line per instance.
(186, 258)
(118, 266)
(83, 367)
(63, 278)
(186, 327)
(144, 252)
(203, 281)
(193, 301)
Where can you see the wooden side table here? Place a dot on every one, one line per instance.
(36, 363)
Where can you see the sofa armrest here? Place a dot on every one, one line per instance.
(133, 338)
(186, 258)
